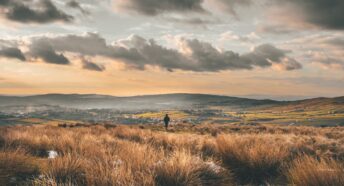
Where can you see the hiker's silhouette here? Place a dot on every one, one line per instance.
(166, 121)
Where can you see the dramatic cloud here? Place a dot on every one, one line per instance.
(208, 58)
(305, 14)
(198, 56)
(88, 65)
(195, 55)
(12, 52)
(324, 13)
(44, 50)
(4, 2)
(30, 11)
(138, 53)
(155, 7)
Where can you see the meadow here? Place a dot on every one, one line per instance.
(184, 155)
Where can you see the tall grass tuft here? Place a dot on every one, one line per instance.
(253, 159)
(184, 169)
(307, 171)
(66, 169)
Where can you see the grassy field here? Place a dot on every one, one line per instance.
(183, 155)
(302, 115)
(160, 114)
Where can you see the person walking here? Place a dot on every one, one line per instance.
(166, 121)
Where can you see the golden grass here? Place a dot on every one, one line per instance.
(183, 168)
(176, 114)
(96, 155)
(308, 171)
(253, 158)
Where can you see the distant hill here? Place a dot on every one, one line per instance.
(87, 101)
(312, 104)
(163, 101)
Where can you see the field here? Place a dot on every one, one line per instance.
(206, 154)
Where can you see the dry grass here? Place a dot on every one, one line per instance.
(309, 171)
(253, 158)
(122, 155)
(182, 168)
(16, 167)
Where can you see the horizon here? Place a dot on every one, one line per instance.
(131, 47)
(255, 97)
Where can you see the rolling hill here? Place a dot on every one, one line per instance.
(164, 101)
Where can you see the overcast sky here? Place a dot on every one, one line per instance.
(255, 48)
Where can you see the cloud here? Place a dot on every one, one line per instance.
(332, 63)
(155, 7)
(89, 65)
(44, 50)
(275, 29)
(76, 5)
(230, 6)
(324, 13)
(12, 52)
(205, 57)
(198, 56)
(30, 11)
(4, 2)
(139, 53)
(267, 55)
(325, 49)
(288, 64)
(336, 41)
(194, 21)
(327, 14)
(230, 36)
(327, 60)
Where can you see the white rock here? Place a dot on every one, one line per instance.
(52, 154)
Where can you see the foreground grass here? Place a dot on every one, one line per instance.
(185, 155)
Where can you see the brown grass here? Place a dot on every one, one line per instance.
(309, 171)
(182, 168)
(122, 155)
(253, 158)
(16, 167)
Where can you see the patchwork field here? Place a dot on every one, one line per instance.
(183, 155)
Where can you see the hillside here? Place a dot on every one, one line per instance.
(164, 101)
(311, 104)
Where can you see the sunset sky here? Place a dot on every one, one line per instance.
(250, 48)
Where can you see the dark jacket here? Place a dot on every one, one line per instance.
(166, 119)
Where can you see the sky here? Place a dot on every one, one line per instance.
(279, 49)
